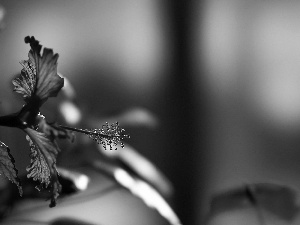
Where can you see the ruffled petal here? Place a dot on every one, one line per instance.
(44, 151)
(39, 79)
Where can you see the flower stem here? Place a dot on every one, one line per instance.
(11, 120)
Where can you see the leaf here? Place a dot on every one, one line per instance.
(39, 79)
(7, 166)
(142, 167)
(44, 151)
(268, 200)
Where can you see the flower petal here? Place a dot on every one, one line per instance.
(45, 169)
(39, 79)
(49, 82)
(38, 169)
(53, 130)
(25, 84)
(7, 166)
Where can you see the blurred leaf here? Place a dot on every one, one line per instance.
(80, 181)
(7, 166)
(267, 200)
(134, 117)
(142, 167)
(141, 189)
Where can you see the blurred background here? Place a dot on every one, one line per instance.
(222, 77)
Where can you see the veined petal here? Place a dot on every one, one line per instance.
(38, 169)
(43, 164)
(39, 79)
(7, 166)
(53, 130)
(25, 84)
(49, 82)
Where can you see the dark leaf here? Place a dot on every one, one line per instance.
(44, 152)
(7, 166)
(266, 199)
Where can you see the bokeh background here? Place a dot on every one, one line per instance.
(222, 77)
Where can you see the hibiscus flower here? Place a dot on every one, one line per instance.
(37, 82)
